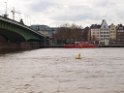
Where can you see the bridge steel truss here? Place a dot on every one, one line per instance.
(17, 32)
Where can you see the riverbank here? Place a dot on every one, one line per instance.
(13, 47)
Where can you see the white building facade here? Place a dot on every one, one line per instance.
(104, 34)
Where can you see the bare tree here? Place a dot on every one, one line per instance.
(69, 34)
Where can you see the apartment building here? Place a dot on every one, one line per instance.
(95, 33)
(120, 35)
(104, 33)
(112, 34)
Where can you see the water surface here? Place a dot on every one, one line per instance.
(99, 70)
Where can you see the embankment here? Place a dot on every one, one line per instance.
(11, 47)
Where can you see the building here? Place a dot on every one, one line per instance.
(112, 34)
(120, 35)
(44, 29)
(95, 33)
(104, 34)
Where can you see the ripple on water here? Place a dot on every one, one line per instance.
(42, 71)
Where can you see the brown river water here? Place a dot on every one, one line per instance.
(55, 70)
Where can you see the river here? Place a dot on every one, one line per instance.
(55, 70)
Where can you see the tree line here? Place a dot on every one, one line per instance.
(68, 34)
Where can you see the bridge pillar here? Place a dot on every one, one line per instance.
(29, 45)
(46, 42)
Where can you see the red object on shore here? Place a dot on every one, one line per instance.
(80, 45)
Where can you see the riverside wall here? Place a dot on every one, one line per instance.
(11, 47)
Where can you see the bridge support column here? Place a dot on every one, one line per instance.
(45, 42)
(29, 45)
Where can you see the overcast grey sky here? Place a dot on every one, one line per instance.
(58, 12)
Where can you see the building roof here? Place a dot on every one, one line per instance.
(120, 27)
(104, 25)
(41, 27)
(95, 26)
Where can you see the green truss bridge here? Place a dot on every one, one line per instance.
(13, 32)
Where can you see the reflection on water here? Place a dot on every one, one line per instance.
(57, 71)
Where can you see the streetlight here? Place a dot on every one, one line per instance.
(6, 10)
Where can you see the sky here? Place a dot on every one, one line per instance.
(58, 12)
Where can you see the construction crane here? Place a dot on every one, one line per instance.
(13, 13)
